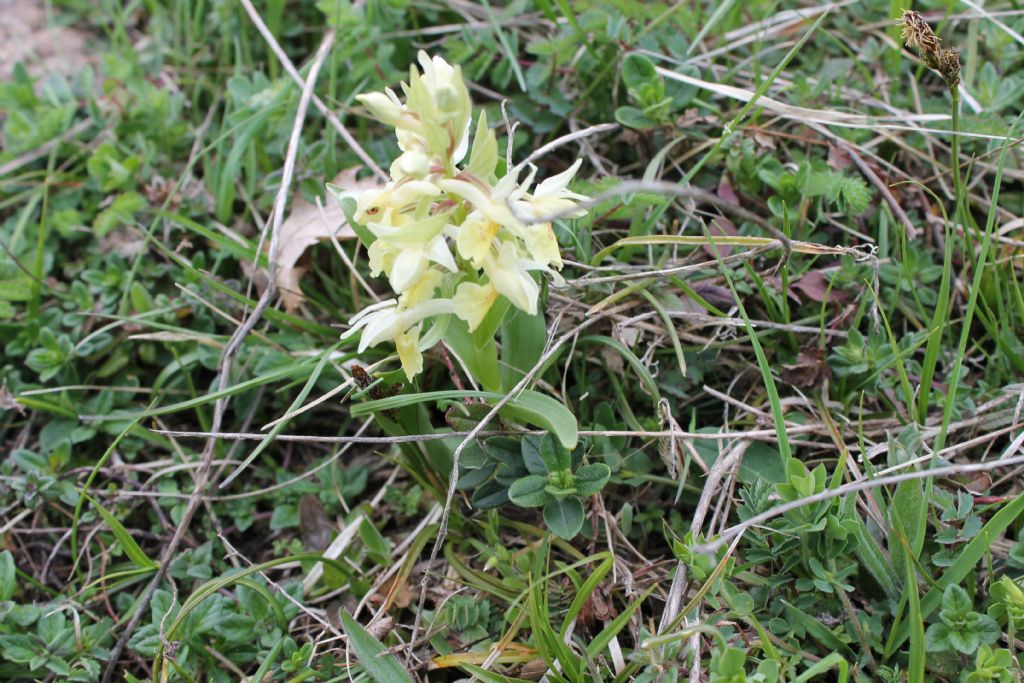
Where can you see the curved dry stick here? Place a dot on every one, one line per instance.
(331, 117)
(227, 359)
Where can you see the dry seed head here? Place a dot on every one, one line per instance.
(918, 34)
(949, 67)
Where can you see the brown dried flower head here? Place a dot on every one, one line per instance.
(918, 34)
(949, 67)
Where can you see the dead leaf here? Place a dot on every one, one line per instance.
(718, 227)
(381, 627)
(126, 241)
(533, 670)
(597, 609)
(764, 140)
(305, 226)
(814, 286)
(315, 528)
(7, 401)
(838, 158)
(716, 295)
(668, 447)
(726, 190)
(395, 592)
(810, 370)
(977, 483)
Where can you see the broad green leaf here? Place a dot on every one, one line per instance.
(564, 517)
(631, 117)
(590, 479)
(523, 338)
(7, 575)
(905, 515)
(529, 492)
(18, 288)
(555, 459)
(530, 450)
(637, 70)
(382, 666)
(529, 406)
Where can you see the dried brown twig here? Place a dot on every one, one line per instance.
(227, 359)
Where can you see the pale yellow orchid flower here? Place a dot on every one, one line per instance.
(510, 275)
(473, 301)
(390, 321)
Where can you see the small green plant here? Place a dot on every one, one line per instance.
(555, 485)
(655, 101)
(728, 665)
(992, 666)
(960, 628)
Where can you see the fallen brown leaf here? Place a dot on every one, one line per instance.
(305, 226)
(315, 527)
(814, 286)
(7, 401)
(810, 370)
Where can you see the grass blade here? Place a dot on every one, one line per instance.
(375, 659)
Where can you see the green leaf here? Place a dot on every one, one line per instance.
(121, 210)
(816, 629)
(142, 301)
(870, 553)
(631, 117)
(128, 544)
(906, 514)
(529, 492)
(523, 338)
(530, 451)
(638, 70)
(7, 575)
(531, 407)
(955, 603)
(489, 676)
(17, 288)
(375, 659)
(484, 156)
(590, 479)
(556, 459)
(564, 517)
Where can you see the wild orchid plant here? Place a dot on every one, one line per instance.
(451, 239)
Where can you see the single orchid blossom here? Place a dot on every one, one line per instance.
(390, 321)
(509, 274)
(473, 302)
